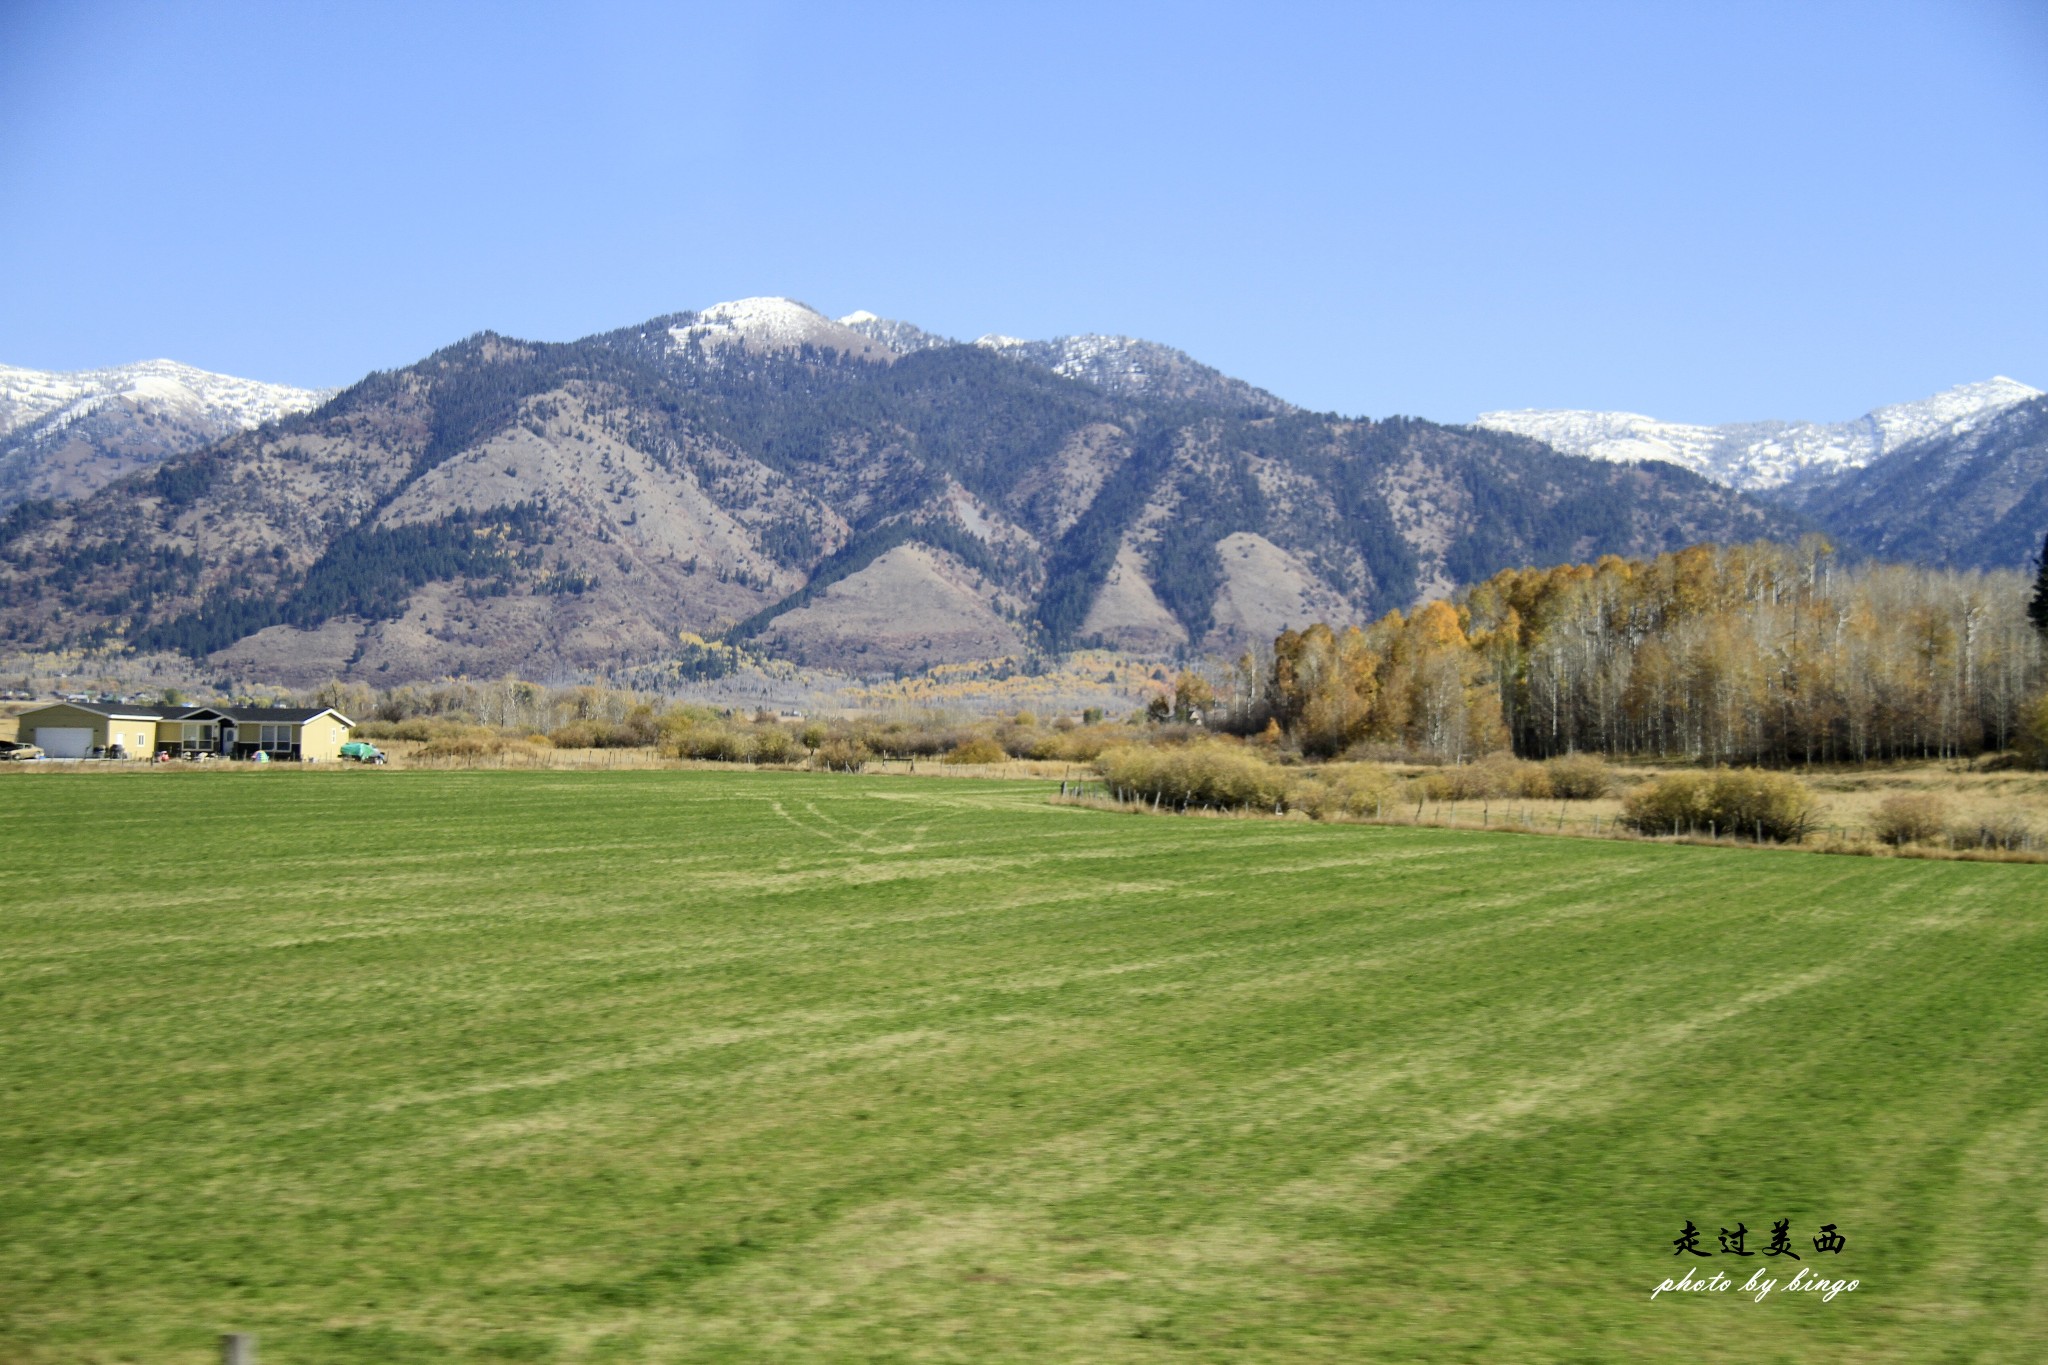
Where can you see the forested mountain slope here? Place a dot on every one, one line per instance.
(760, 472)
(1974, 499)
(1125, 367)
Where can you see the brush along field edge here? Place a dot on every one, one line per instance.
(709, 1066)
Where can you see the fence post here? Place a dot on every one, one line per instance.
(238, 1348)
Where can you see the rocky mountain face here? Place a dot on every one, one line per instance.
(838, 493)
(68, 435)
(1975, 497)
(1765, 456)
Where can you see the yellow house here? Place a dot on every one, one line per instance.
(97, 729)
(84, 729)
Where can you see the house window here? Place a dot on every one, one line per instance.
(275, 738)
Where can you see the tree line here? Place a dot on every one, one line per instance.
(369, 571)
(1747, 654)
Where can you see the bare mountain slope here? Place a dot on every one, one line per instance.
(910, 607)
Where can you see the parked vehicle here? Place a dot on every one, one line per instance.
(12, 751)
(362, 751)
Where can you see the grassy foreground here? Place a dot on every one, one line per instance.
(697, 1066)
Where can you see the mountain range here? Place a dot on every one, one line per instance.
(1765, 456)
(855, 493)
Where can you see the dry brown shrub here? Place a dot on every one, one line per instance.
(2004, 831)
(1492, 778)
(977, 750)
(838, 753)
(1910, 818)
(773, 744)
(1739, 803)
(475, 747)
(1357, 790)
(1213, 775)
(1579, 777)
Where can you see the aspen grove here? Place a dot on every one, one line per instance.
(1748, 654)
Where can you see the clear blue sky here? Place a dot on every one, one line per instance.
(1707, 213)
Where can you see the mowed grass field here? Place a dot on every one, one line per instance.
(699, 1066)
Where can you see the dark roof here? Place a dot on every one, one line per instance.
(118, 710)
(254, 715)
(240, 715)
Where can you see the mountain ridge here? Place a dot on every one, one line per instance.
(1767, 455)
(69, 433)
(1974, 497)
(551, 508)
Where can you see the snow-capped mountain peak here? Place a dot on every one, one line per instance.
(771, 324)
(1951, 410)
(1763, 455)
(67, 434)
(53, 399)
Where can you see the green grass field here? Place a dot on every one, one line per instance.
(696, 1066)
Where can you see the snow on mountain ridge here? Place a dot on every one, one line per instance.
(1762, 455)
(773, 324)
(900, 337)
(1116, 364)
(1131, 365)
(65, 435)
(51, 400)
(1956, 409)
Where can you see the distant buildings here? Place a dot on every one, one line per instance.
(79, 728)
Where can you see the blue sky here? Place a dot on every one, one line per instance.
(1708, 213)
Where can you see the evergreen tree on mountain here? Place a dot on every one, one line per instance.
(2037, 610)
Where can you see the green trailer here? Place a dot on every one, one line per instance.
(362, 751)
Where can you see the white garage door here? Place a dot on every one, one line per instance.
(63, 742)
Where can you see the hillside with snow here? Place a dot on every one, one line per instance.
(69, 434)
(901, 337)
(1965, 497)
(1130, 367)
(770, 324)
(1126, 367)
(1760, 456)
